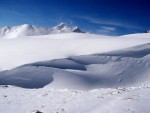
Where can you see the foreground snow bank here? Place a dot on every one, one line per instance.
(121, 100)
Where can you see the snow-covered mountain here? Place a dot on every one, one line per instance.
(62, 28)
(32, 30)
(148, 31)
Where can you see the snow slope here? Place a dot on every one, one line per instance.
(19, 51)
(136, 35)
(75, 73)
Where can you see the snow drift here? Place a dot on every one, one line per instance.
(24, 50)
(113, 69)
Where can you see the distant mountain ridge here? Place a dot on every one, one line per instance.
(148, 31)
(32, 30)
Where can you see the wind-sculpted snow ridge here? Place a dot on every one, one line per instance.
(25, 50)
(135, 52)
(110, 70)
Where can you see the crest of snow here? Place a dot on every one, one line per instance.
(76, 29)
(25, 50)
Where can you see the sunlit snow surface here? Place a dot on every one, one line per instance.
(75, 73)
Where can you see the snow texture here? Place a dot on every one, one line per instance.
(75, 73)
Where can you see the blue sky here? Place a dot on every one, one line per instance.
(111, 17)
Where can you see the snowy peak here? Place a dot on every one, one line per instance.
(60, 26)
(147, 31)
(76, 29)
(22, 30)
(4, 30)
(26, 26)
(32, 30)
